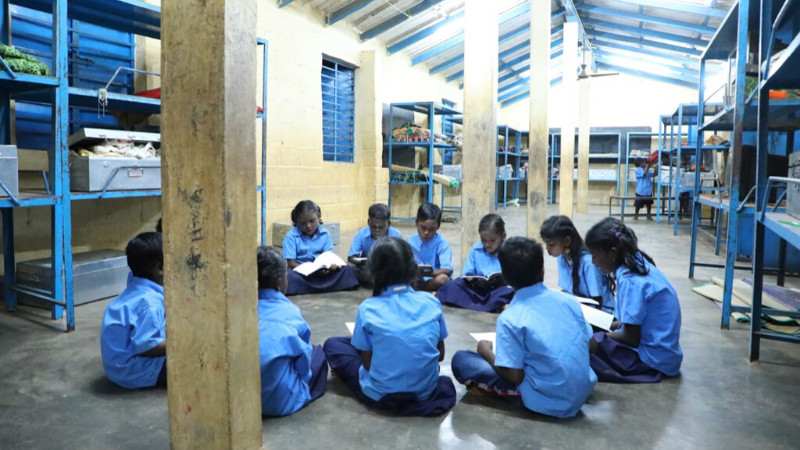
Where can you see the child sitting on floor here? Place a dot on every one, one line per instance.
(304, 242)
(392, 361)
(644, 345)
(577, 275)
(293, 373)
(482, 288)
(133, 333)
(431, 250)
(542, 341)
(378, 225)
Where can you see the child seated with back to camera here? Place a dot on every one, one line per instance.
(293, 372)
(431, 250)
(392, 361)
(133, 337)
(379, 225)
(542, 342)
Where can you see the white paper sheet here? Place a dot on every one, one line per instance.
(491, 337)
(596, 317)
(351, 326)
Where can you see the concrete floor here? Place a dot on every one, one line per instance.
(53, 394)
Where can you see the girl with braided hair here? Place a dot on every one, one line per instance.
(643, 346)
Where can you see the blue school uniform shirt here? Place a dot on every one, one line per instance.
(480, 262)
(434, 252)
(134, 323)
(543, 332)
(302, 248)
(651, 302)
(592, 282)
(402, 328)
(644, 182)
(363, 241)
(284, 355)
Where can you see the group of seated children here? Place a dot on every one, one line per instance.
(545, 352)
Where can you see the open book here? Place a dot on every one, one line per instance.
(323, 261)
(425, 270)
(479, 282)
(357, 260)
(491, 337)
(597, 317)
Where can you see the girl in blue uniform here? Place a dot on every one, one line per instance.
(133, 335)
(293, 373)
(477, 294)
(542, 341)
(304, 242)
(577, 275)
(431, 249)
(644, 345)
(392, 361)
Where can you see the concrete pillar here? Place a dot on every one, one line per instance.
(568, 122)
(369, 140)
(480, 116)
(209, 180)
(584, 130)
(539, 132)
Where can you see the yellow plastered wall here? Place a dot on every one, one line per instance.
(298, 39)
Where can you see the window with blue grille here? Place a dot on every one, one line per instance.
(338, 110)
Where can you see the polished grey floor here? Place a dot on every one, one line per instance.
(53, 394)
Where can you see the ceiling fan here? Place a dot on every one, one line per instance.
(583, 70)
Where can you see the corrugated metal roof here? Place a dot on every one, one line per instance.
(674, 32)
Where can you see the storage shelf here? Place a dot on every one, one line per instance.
(109, 195)
(784, 225)
(130, 16)
(422, 108)
(25, 82)
(420, 144)
(784, 115)
(783, 72)
(29, 199)
(88, 98)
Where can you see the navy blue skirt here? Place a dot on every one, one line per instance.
(615, 362)
(342, 280)
(458, 293)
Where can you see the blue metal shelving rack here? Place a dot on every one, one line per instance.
(779, 74)
(430, 110)
(508, 153)
(130, 16)
(731, 41)
(555, 157)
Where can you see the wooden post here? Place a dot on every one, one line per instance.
(568, 94)
(539, 132)
(480, 116)
(209, 191)
(584, 132)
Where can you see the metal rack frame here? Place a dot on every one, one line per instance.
(131, 16)
(781, 74)
(555, 154)
(431, 110)
(504, 156)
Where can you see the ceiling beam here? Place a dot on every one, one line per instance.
(346, 10)
(646, 74)
(631, 48)
(644, 32)
(676, 24)
(399, 18)
(645, 42)
(423, 33)
(680, 7)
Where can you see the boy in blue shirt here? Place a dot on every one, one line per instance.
(293, 373)
(482, 287)
(303, 243)
(133, 332)
(644, 344)
(392, 361)
(378, 226)
(644, 189)
(542, 342)
(431, 250)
